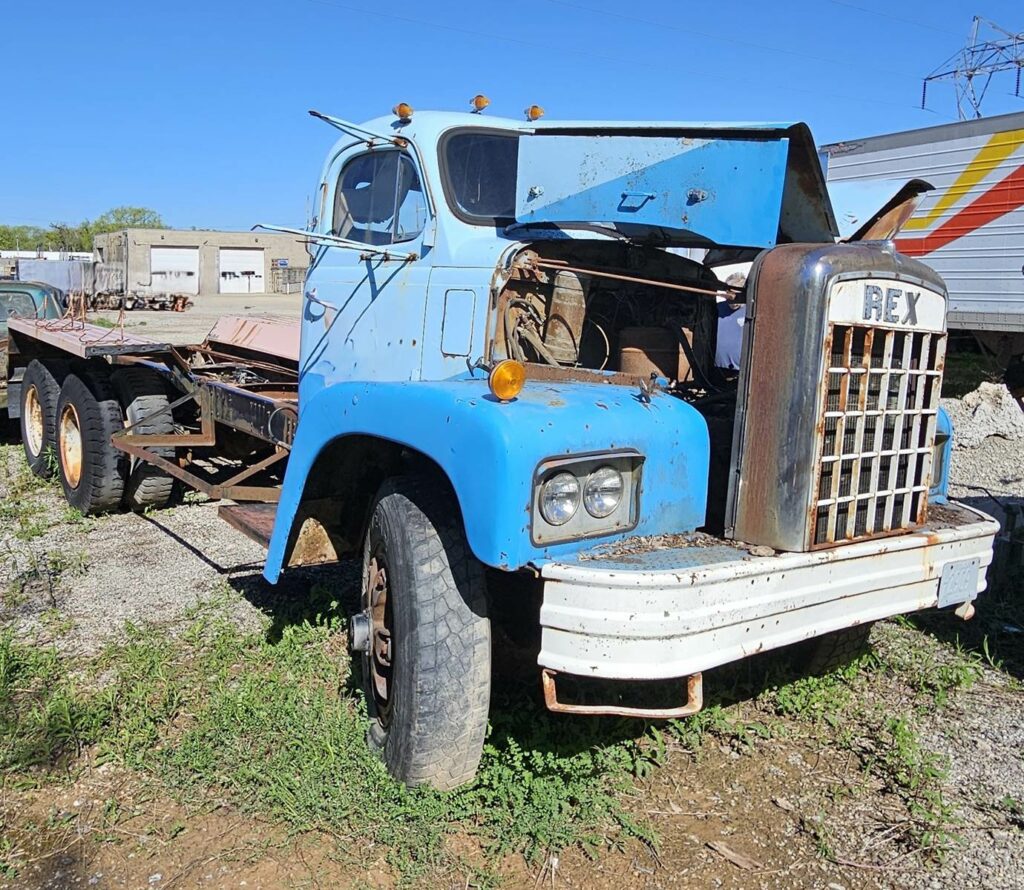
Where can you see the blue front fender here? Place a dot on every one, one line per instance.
(490, 450)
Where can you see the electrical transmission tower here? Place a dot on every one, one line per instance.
(971, 69)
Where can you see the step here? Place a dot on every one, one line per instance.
(255, 521)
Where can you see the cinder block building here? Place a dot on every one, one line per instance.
(172, 261)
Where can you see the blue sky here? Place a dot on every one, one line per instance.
(198, 109)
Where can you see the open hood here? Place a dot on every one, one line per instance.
(684, 185)
(875, 209)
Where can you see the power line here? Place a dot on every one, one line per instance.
(894, 18)
(830, 60)
(588, 54)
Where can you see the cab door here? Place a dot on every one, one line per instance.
(363, 312)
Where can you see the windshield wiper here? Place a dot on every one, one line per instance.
(577, 226)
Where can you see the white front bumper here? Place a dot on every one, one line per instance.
(673, 612)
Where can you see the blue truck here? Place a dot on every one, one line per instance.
(502, 397)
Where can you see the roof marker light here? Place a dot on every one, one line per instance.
(403, 111)
(479, 103)
(534, 113)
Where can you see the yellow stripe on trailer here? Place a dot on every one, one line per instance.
(996, 150)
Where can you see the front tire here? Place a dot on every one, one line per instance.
(427, 673)
(92, 472)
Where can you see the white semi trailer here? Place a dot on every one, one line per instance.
(969, 227)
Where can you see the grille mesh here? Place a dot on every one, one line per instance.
(880, 407)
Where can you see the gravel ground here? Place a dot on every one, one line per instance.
(983, 737)
(192, 325)
(151, 569)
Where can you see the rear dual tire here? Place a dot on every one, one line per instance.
(91, 471)
(40, 391)
(143, 398)
(92, 406)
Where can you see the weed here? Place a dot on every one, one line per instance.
(815, 827)
(819, 699)
(8, 857)
(41, 573)
(917, 776)
(930, 670)
(102, 322)
(1012, 808)
(72, 515)
(45, 719)
(694, 731)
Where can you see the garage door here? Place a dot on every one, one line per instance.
(241, 270)
(175, 270)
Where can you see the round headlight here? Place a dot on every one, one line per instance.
(603, 492)
(560, 498)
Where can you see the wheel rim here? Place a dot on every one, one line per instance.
(379, 658)
(71, 445)
(35, 425)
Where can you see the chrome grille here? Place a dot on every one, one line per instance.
(881, 401)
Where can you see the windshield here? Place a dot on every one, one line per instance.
(480, 174)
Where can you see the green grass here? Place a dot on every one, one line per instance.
(275, 728)
(271, 722)
(46, 718)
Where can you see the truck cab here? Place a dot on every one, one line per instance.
(505, 396)
(507, 371)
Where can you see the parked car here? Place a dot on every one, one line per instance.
(28, 299)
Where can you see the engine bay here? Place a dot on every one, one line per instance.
(635, 315)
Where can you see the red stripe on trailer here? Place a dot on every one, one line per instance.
(1004, 197)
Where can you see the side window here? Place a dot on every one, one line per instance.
(379, 199)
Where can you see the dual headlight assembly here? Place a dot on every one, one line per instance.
(583, 497)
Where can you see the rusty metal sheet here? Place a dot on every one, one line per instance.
(266, 334)
(85, 340)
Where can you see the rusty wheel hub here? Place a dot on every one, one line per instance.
(70, 444)
(378, 658)
(35, 425)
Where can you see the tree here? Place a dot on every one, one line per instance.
(127, 218)
(63, 236)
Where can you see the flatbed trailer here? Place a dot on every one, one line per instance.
(221, 414)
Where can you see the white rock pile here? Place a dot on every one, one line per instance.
(990, 410)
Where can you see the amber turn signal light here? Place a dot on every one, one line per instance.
(506, 379)
(534, 113)
(479, 103)
(403, 111)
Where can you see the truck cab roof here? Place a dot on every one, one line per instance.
(682, 183)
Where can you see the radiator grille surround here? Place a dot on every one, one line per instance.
(838, 396)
